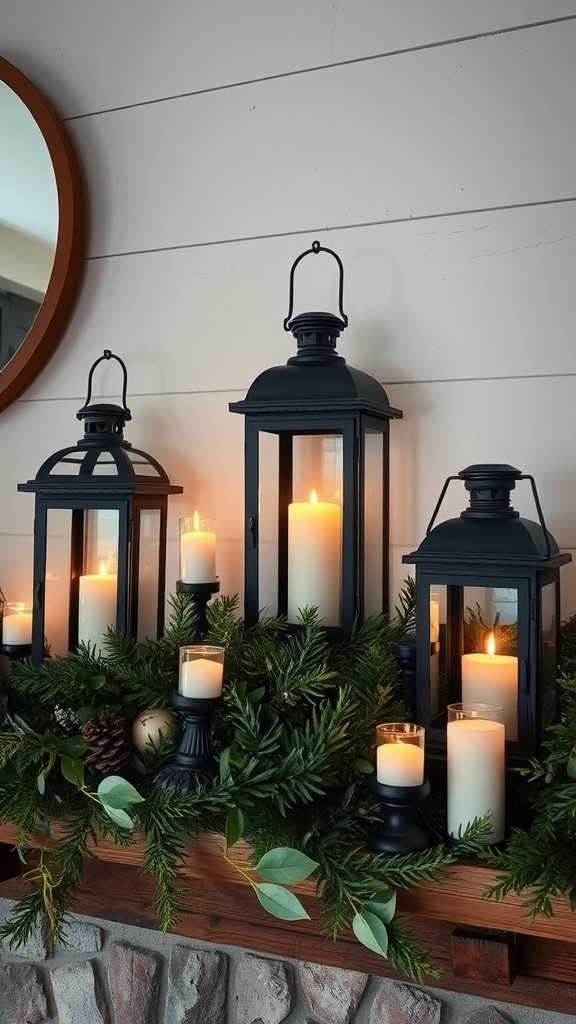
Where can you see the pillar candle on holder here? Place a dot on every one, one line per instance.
(475, 759)
(97, 596)
(201, 671)
(400, 754)
(197, 551)
(315, 558)
(493, 678)
(17, 624)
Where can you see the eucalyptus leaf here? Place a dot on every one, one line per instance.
(256, 695)
(234, 826)
(97, 682)
(119, 816)
(75, 746)
(73, 770)
(364, 766)
(383, 905)
(571, 767)
(114, 791)
(280, 902)
(284, 864)
(371, 932)
(41, 784)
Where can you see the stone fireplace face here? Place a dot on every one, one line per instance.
(113, 972)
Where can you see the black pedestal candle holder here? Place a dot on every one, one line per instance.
(399, 832)
(193, 766)
(199, 594)
(16, 652)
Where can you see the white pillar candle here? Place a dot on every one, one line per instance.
(400, 764)
(475, 754)
(200, 677)
(17, 625)
(197, 552)
(97, 597)
(493, 678)
(314, 558)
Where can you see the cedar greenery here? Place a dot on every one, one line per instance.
(294, 743)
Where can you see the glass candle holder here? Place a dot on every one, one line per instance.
(201, 670)
(16, 624)
(197, 550)
(476, 766)
(400, 754)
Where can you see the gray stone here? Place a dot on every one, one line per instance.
(196, 986)
(486, 1015)
(134, 978)
(22, 999)
(263, 991)
(34, 948)
(333, 994)
(77, 994)
(82, 937)
(396, 1003)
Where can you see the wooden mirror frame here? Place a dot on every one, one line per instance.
(47, 328)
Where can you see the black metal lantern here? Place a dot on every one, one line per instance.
(316, 479)
(99, 535)
(488, 612)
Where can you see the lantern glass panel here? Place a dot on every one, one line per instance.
(489, 665)
(149, 578)
(58, 575)
(314, 521)
(268, 504)
(374, 522)
(549, 653)
(100, 553)
(318, 467)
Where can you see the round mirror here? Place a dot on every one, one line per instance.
(41, 231)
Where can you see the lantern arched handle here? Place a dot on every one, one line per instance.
(110, 355)
(316, 248)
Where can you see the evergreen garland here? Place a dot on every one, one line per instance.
(539, 860)
(294, 742)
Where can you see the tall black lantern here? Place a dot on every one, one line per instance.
(488, 612)
(316, 479)
(99, 535)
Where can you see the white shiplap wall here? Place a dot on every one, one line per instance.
(432, 144)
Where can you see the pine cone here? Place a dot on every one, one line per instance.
(109, 740)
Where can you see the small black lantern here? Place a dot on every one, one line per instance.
(488, 612)
(99, 535)
(316, 479)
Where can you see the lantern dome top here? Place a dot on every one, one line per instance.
(102, 460)
(324, 382)
(489, 531)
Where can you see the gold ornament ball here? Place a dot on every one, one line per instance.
(149, 724)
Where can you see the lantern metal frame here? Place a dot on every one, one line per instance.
(316, 394)
(489, 546)
(134, 482)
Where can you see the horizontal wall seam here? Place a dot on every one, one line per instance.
(410, 219)
(242, 390)
(328, 67)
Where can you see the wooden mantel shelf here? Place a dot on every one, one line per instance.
(484, 947)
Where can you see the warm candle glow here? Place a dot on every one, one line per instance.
(97, 596)
(314, 558)
(197, 551)
(493, 678)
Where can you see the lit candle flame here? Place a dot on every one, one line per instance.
(196, 519)
(490, 645)
(313, 497)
